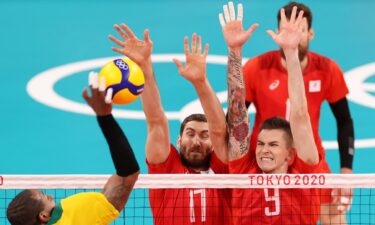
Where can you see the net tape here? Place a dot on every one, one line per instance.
(156, 181)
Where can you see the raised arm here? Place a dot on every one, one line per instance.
(195, 71)
(158, 140)
(119, 185)
(288, 39)
(238, 120)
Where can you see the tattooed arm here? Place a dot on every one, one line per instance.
(238, 121)
(117, 189)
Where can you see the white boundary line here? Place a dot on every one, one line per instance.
(41, 89)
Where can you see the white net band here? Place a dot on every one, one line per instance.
(156, 181)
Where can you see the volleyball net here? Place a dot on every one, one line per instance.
(211, 198)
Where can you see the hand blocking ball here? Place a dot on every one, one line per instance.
(125, 78)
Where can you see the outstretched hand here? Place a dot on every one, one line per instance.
(100, 100)
(234, 34)
(290, 33)
(195, 66)
(137, 50)
(342, 197)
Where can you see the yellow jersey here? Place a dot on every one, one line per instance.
(87, 208)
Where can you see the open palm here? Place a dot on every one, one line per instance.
(195, 66)
(137, 50)
(234, 33)
(290, 33)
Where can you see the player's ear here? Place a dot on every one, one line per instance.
(178, 142)
(311, 34)
(44, 217)
(291, 156)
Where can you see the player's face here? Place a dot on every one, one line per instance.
(195, 145)
(272, 152)
(47, 201)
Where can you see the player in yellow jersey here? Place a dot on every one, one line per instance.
(33, 207)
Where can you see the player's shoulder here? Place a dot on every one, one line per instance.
(264, 61)
(321, 62)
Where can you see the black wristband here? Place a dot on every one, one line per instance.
(122, 154)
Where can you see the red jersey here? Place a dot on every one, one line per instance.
(273, 206)
(189, 206)
(267, 87)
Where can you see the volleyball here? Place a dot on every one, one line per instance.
(125, 78)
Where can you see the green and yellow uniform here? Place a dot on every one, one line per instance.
(88, 208)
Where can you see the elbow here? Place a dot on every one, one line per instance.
(157, 120)
(220, 131)
(300, 115)
(130, 180)
(314, 160)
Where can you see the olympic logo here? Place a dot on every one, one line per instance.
(121, 64)
(41, 89)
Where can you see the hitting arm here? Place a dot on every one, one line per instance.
(119, 186)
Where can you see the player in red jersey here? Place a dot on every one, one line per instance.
(281, 148)
(199, 135)
(266, 87)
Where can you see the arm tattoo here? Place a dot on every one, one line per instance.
(118, 195)
(239, 135)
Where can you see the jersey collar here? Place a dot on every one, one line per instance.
(56, 214)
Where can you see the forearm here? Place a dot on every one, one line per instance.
(238, 121)
(345, 139)
(151, 100)
(295, 81)
(217, 126)
(157, 143)
(299, 116)
(345, 133)
(211, 107)
(121, 152)
(118, 189)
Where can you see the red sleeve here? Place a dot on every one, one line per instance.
(249, 72)
(171, 165)
(337, 88)
(217, 165)
(243, 165)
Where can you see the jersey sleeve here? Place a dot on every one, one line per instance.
(168, 166)
(217, 165)
(337, 88)
(249, 71)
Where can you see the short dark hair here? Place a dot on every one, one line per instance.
(278, 123)
(193, 117)
(24, 209)
(288, 12)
